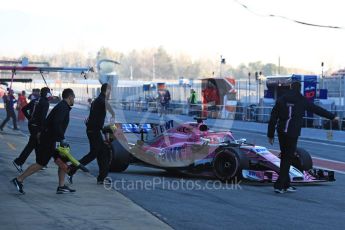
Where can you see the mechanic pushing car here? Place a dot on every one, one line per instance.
(288, 112)
(94, 125)
(54, 131)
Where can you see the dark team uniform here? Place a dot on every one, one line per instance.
(36, 112)
(94, 126)
(9, 101)
(54, 131)
(288, 112)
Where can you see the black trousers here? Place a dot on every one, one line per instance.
(10, 114)
(45, 150)
(97, 151)
(288, 147)
(30, 146)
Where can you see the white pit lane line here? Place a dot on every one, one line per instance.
(323, 159)
(299, 140)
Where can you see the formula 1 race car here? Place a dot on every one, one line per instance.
(192, 148)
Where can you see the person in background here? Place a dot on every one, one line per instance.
(211, 99)
(164, 100)
(9, 102)
(89, 102)
(35, 94)
(4, 99)
(192, 101)
(22, 102)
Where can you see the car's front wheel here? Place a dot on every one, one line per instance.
(227, 165)
(304, 161)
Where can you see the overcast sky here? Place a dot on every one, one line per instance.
(201, 28)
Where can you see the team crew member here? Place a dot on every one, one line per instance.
(164, 100)
(36, 113)
(94, 126)
(9, 102)
(20, 105)
(192, 100)
(211, 99)
(56, 125)
(288, 112)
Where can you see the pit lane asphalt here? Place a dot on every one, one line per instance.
(195, 203)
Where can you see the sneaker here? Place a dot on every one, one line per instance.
(64, 189)
(19, 185)
(291, 189)
(18, 167)
(44, 168)
(281, 191)
(106, 181)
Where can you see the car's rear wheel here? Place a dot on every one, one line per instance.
(120, 157)
(304, 160)
(227, 164)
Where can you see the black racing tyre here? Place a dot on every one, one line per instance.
(172, 171)
(227, 164)
(120, 157)
(304, 160)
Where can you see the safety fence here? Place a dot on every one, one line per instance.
(250, 113)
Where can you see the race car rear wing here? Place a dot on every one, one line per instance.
(144, 127)
(136, 127)
(151, 130)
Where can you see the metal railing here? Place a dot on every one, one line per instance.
(259, 114)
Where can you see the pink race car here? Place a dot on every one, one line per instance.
(194, 149)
